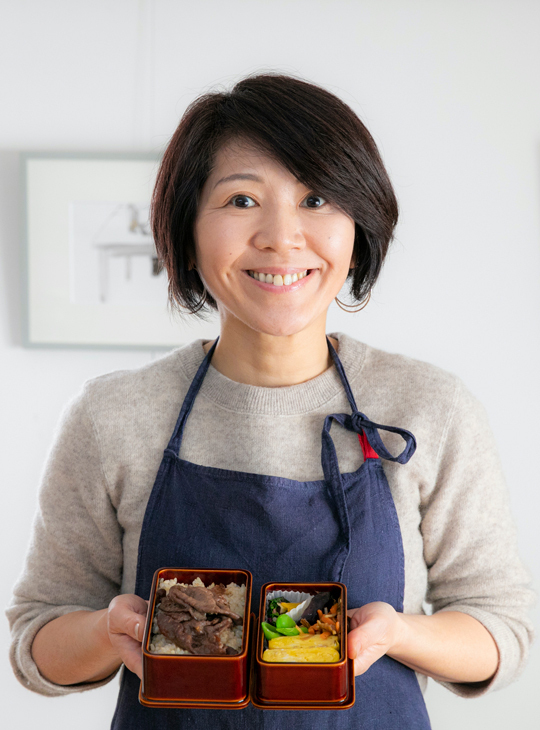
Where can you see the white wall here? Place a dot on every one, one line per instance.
(450, 92)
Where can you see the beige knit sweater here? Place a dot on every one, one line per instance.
(451, 499)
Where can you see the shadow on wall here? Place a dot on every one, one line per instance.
(11, 244)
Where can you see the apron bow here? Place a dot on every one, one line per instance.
(359, 423)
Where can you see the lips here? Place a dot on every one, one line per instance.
(281, 270)
(279, 284)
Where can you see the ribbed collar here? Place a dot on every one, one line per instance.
(280, 401)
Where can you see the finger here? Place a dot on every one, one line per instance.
(130, 652)
(136, 604)
(123, 620)
(356, 616)
(369, 633)
(130, 601)
(366, 658)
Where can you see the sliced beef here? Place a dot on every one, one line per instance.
(194, 618)
(223, 603)
(179, 615)
(204, 599)
(174, 603)
(199, 601)
(197, 637)
(174, 630)
(218, 589)
(210, 642)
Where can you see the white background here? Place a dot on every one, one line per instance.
(449, 91)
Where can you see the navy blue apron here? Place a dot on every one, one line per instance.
(342, 528)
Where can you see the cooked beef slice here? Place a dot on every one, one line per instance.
(194, 618)
(198, 601)
(211, 640)
(197, 637)
(218, 589)
(174, 603)
(223, 603)
(205, 599)
(180, 615)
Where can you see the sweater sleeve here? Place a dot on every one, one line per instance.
(74, 561)
(470, 542)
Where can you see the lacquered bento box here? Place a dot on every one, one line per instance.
(194, 679)
(233, 681)
(307, 682)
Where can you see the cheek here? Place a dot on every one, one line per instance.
(336, 236)
(337, 245)
(218, 244)
(220, 229)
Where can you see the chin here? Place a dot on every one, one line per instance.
(279, 329)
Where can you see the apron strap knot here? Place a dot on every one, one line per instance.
(359, 423)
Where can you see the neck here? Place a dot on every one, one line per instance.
(255, 358)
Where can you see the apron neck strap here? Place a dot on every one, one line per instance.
(187, 405)
(176, 438)
(341, 371)
(355, 422)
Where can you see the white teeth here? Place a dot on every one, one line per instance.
(278, 280)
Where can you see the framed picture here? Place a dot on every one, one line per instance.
(91, 274)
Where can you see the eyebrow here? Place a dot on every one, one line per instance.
(239, 176)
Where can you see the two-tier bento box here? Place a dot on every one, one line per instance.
(204, 648)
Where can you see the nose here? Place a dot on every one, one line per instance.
(280, 229)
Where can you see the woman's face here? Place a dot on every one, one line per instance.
(264, 220)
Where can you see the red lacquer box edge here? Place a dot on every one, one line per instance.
(221, 679)
(313, 683)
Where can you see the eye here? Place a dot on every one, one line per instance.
(314, 197)
(241, 198)
(318, 201)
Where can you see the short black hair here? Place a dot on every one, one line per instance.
(312, 133)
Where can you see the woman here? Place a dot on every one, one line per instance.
(268, 199)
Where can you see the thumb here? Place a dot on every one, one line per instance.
(128, 617)
(364, 632)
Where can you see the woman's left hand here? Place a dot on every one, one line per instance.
(374, 630)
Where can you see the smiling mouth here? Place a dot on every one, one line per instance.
(279, 279)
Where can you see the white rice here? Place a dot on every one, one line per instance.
(231, 637)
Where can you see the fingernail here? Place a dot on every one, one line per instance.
(137, 631)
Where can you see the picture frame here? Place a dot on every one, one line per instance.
(91, 276)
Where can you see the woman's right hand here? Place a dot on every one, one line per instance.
(125, 620)
(88, 646)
